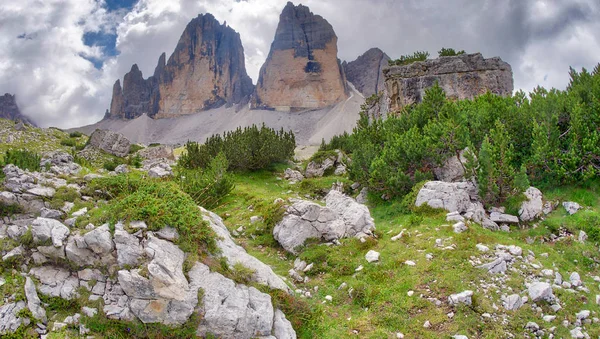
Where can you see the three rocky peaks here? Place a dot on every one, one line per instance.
(207, 70)
(302, 71)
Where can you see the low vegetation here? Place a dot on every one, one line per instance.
(409, 58)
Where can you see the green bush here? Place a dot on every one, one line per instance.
(514, 141)
(134, 148)
(75, 134)
(111, 164)
(409, 59)
(449, 52)
(251, 148)
(207, 186)
(23, 159)
(7, 210)
(68, 142)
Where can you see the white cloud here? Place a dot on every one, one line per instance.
(56, 85)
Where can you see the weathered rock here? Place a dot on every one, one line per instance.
(160, 171)
(342, 217)
(571, 207)
(168, 233)
(539, 291)
(9, 320)
(50, 213)
(129, 250)
(502, 218)
(513, 302)
(60, 163)
(121, 169)
(78, 253)
(234, 253)
(110, 142)
(533, 207)
(206, 70)
(302, 69)
(233, 311)
(460, 298)
(41, 191)
(459, 227)
(366, 72)
(9, 110)
(56, 281)
(461, 77)
(52, 252)
(317, 169)
(99, 240)
(453, 169)
(575, 279)
(372, 256)
(362, 197)
(16, 252)
(292, 175)
(453, 197)
(43, 229)
(33, 301)
(157, 152)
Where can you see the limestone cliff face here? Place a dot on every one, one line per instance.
(302, 69)
(366, 72)
(205, 71)
(9, 109)
(462, 77)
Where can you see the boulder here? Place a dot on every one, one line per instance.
(571, 207)
(33, 301)
(453, 169)
(539, 291)
(122, 169)
(292, 175)
(129, 250)
(453, 197)
(9, 319)
(78, 253)
(99, 240)
(110, 142)
(372, 256)
(460, 298)
(235, 254)
(513, 302)
(342, 217)
(44, 229)
(503, 218)
(157, 152)
(317, 169)
(232, 311)
(533, 207)
(161, 170)
(56, 281)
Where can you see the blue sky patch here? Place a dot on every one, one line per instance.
(107, 41)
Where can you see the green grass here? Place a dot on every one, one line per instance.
(379, 305)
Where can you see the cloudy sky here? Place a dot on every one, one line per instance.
(61, 57)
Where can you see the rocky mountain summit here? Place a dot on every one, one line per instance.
(9, 110)
(461, 77)
(206, 70)
(302, 69)
(366, 72)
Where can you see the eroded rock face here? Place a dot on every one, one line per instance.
(342, 217)
(366, 72)
(453, 197)
(9, 109)
(236, 311)
(462, 77)
(110, 142)
(302, 69)
(234, 253)
(206, 70)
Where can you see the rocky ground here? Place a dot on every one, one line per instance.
(296, 256)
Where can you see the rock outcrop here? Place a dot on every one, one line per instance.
(342, 217)
(206, 70)
(366, 72)
(9, 110)
(110, 142)
(461, 77)
(302, 69)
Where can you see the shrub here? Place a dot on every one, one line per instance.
(68, 142)
(209, 186)
(409, 59)
(7, 210)
(23, 159)
(111, 164)
(449, 52)
(251, 148)
(134, 148)
(75, 134)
